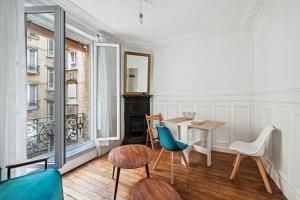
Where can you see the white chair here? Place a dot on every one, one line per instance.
(253, 150)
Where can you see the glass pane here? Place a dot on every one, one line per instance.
(107, 92)
(40, 77)
(77, 87)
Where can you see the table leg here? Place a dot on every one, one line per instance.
(147, 171)
(117, 182)
(184, 133)
(209, 135)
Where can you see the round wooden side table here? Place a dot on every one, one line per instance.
(153, 188)
(129, 157)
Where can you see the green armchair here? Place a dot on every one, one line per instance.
(46, 184)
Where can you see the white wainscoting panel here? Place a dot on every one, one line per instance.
(221, 136)
(242, 123)
(235, 111)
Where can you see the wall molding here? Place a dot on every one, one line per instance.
(285, 95)
(256, 11)
(226, 96)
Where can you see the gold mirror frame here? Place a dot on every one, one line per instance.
(126, 53)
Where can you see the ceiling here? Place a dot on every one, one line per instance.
(165, 20)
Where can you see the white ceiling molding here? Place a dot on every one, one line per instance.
(175, 41)
(256, 12)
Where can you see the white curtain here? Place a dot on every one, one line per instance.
(106, 90)
(104, 94)
(12, 83)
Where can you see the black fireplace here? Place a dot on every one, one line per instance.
(135, 108)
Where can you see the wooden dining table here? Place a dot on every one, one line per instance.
(183, 135)
(129, 157)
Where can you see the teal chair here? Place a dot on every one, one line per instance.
(167, 142)
(46, 184)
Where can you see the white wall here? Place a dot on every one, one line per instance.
(211, 75)
(217, 63)
(277, 91)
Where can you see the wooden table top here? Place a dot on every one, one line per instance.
(153, 188)
(177, 120)
(206, 125)
(130, 156)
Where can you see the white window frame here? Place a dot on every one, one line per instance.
(94, 92)
(35, 64)
(51, 85)
(72, 100)
(72, 63)
(49, 108)
(36, 95)
(50, 52)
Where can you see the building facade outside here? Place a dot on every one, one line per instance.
(40, 91)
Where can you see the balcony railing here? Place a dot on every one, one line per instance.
(71, 75)
(40, 133)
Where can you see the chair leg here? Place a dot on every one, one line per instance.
(155, 165)
(263, 173)
(151, 141)
(147, 138)
(172, 167)
(235, 159)
(236, 166)
(184, 159)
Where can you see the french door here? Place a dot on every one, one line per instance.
(45, 75)
(73, 89)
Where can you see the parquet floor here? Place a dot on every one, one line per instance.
(93, 179)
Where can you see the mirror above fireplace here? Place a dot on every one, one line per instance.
(137, 73)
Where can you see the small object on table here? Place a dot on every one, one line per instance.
(153, 188)
(129, 157)
(189, 115)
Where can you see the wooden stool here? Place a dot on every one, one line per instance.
(129, 157)
(153, 188)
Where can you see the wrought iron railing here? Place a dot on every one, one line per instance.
(40, 133)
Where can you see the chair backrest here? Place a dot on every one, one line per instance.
(166, 138)
(150, 121)
(261, 139)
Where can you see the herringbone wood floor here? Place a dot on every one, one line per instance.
(93, 179)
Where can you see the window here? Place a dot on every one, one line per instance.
(50, 79)
(72, 94)
(32, 95)
(71, 59)
(50, 48)
(51, 110)
(32, 65)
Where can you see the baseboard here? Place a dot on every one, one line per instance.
(281, 181)
(72, 164)
(224, 150)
